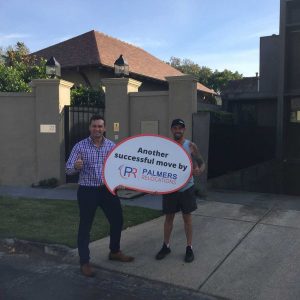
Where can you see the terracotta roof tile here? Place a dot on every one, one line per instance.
(78, 51)
(95, 48)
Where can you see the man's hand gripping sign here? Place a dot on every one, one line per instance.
(147, 163)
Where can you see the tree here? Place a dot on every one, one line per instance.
(2, 56)
(18, 54)
(11, 80)
(18, 69)
(215, 80)
(219, 80)
(204, 75)
(186, 66)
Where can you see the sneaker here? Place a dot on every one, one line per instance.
(189, 254)
(163, 252)
(120, 256)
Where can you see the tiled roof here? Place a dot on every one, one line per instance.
(95, 48)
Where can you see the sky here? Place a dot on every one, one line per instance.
(219, 34)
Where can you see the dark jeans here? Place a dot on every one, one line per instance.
(89, 198)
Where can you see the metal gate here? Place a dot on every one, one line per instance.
(76, 127)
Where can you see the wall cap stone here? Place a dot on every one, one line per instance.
(121, 82)
(149, 94)
(16, 94)
(181, 78)
(39, 82)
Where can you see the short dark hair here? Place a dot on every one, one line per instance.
(96, 117)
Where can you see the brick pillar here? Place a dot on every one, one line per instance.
(117, 108)
(182, 100)
(51, 95)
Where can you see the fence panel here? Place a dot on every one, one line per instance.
(76, 126)
(233, 147)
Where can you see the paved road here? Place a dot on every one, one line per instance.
(34, 276)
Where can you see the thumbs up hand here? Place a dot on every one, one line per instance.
(78, 163)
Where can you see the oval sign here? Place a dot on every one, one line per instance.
(147, 163)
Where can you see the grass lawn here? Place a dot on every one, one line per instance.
(56, 221)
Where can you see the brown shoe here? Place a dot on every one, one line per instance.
(86, 270)
(119, 256)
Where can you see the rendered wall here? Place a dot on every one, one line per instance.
(17, 132)
(30, 153)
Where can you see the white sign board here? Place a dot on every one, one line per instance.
(147, 163)
(47, 128)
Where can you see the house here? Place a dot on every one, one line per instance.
(288, 106)
(253, 100)
(87, 58)
(273, 98)
(248, 104)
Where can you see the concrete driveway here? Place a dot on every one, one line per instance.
(246, 247)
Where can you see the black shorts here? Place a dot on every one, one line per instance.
(180, 201)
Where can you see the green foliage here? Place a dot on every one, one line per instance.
(215, 80)
(18, 69)
(50, 183)
(219, 80)
(11, 80)
(204, 76)
(86, 96)
(185, 66)
(18, 53)
(2, 56)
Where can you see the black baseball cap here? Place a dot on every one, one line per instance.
(179, 122)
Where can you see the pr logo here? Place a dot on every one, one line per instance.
(126, 171)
